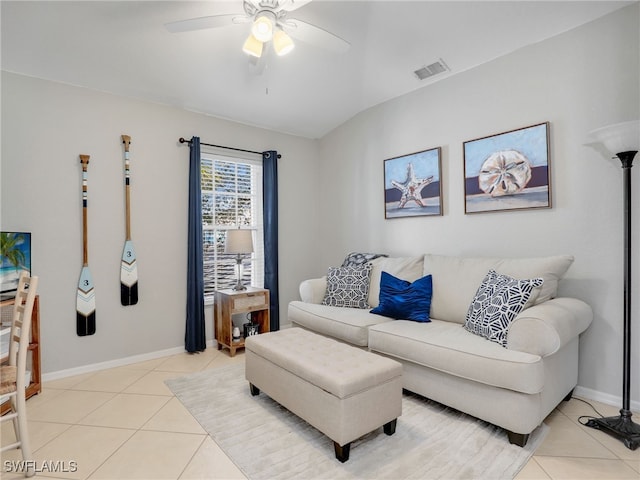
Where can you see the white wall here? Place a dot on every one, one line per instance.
(577, 81)
(45, 126)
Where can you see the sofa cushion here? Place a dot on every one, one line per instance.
(347, 324)
(550, 269)
(498, 300)
(348, 286)
(456, 279)
(449, 348)
(401, 299)
(406, 268)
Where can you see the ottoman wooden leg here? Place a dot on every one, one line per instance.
(342, 452)
(254, 390)
(390, 428)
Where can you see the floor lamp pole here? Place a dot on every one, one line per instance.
(622, 426)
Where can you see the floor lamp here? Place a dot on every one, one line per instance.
(623, 140)
(239, 242)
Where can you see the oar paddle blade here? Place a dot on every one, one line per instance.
(85, 305)
(128, 276)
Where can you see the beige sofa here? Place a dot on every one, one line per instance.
(514, 386)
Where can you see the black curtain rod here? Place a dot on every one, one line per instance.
(182, 140)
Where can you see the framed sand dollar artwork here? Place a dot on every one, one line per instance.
(412, 185)
(508, 171)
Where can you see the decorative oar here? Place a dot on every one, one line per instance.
(128, 266)
(85, 299)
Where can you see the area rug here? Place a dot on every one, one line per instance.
(266, 441)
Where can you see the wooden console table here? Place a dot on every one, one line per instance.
(229, 302)
(35, 386)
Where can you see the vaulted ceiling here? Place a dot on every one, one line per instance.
(122, 47)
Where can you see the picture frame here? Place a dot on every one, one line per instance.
(15, 256)
(412, 184)
(508, 171)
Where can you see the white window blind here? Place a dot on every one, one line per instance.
(231, 198)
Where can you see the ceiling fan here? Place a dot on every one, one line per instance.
(269, 23)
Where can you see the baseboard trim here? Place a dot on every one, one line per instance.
(605, 398)
(119, 362)
(579, 391)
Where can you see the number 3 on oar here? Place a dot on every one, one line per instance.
(85, 298)
(128, 266)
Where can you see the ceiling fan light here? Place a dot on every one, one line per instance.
(252, 46)
(282, 43)
(262, 28)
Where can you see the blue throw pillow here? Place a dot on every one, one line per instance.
(400, 299)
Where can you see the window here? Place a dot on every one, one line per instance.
(231, 198)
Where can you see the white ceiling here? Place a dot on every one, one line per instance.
(122, 47)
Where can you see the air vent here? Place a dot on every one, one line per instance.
(431, 70)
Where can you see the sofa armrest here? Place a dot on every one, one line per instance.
(313, 290)
(545, 328)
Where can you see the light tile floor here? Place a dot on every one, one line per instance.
(125, 423)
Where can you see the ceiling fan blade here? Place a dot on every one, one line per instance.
(201, 23)
(291, 5)
(315, 35)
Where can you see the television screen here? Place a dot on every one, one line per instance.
(15, 249)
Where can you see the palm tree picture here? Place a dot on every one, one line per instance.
(15, 252)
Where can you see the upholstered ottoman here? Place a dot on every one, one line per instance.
(343, 391)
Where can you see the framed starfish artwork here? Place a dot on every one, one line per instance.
(508, 171)
(412, 185)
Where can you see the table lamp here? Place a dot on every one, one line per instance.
(239, 242)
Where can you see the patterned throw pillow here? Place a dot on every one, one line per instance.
(355, 259)
(496, 303)
(348, 286)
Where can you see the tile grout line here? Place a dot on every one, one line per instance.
(169, 397)
(135, 431)
(80, 424)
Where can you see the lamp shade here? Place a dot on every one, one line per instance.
(252, 46)
(282, 43)
(620, 137)
(262, 27)
(239, 242)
